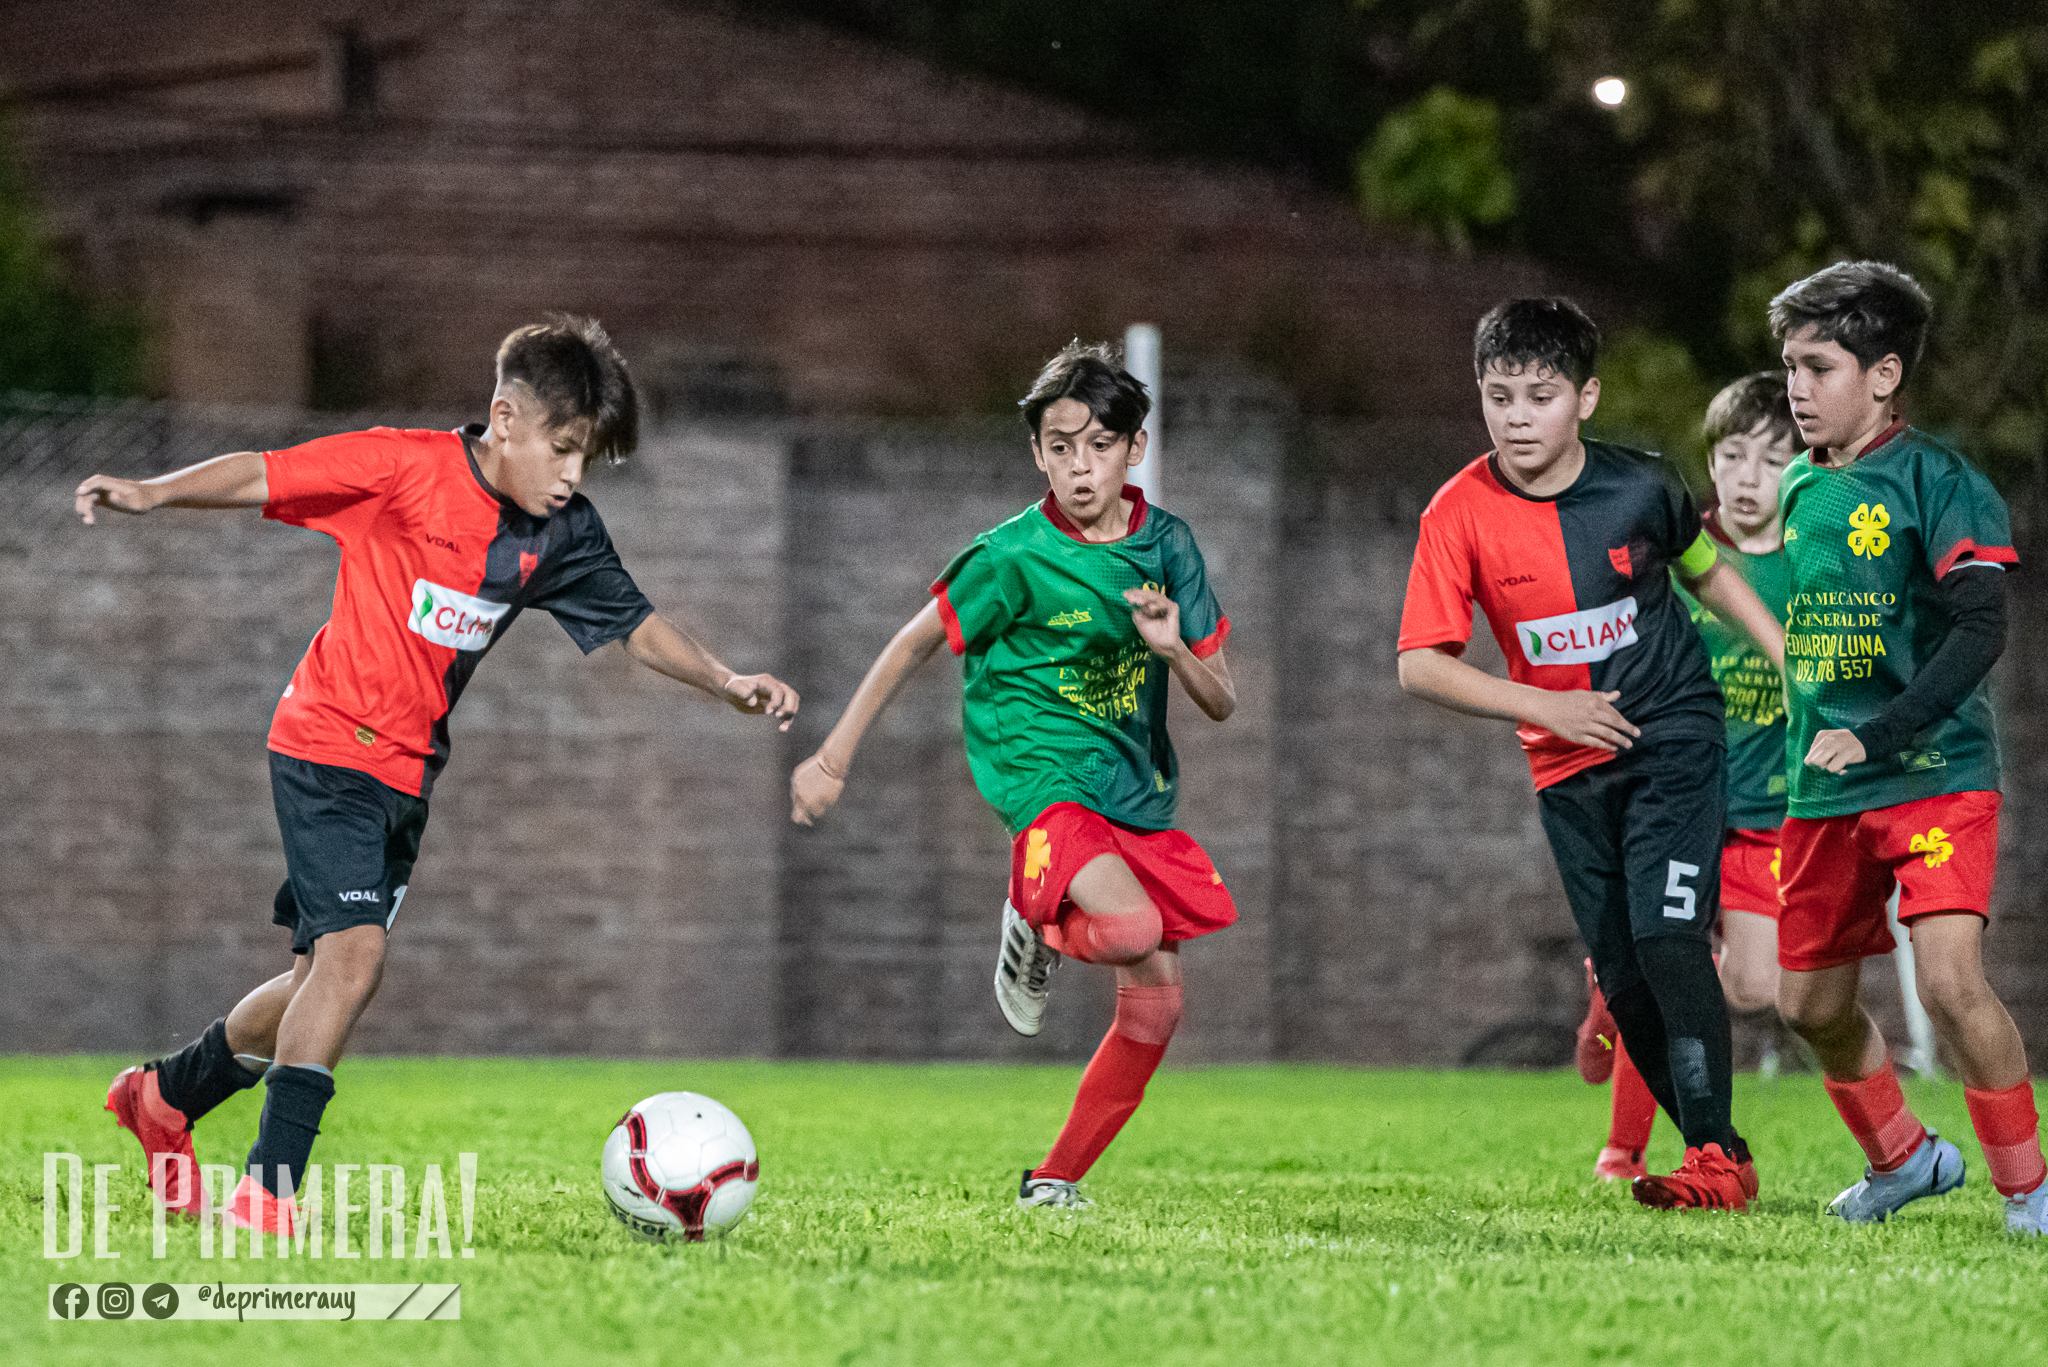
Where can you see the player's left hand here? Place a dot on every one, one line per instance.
(1157, 619)
(763, 693)
(1835, 751)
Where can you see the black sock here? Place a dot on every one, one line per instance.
(293, 1101)
(203, 1074)
(1694, 1013)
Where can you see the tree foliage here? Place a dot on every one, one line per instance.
(1761, 139)
(54, 337)
(1436, 164)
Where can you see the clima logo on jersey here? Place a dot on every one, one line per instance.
(1577, 638)
(448, 617)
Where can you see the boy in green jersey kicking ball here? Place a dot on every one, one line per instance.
(1898, 552)
(1751, 440)
(1069, 618)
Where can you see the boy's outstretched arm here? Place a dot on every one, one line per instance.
(1580, 716)
(1208, 682)
(667, 649)
(818, 781)
(1723, 589)
(232, 481)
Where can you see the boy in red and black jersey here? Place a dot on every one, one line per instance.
(1750, 441)
(445, 538)
(1568, 546)
(1898, 552)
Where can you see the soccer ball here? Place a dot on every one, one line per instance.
(679, 1165)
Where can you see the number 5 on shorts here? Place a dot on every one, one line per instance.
(1683, 911)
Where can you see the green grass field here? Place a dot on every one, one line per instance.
(1271, 1214)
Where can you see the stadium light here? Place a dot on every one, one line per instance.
(1610, 91)
(1141, 359)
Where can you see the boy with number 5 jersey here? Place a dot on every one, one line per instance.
(1568, 545)
(1898, 553)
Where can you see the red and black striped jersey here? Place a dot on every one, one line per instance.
(1578, 591)
(435, 565)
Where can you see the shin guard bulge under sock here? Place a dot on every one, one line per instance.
(2010, 1131)
(203, 1074)
(1635, 1110)
(1114, 1082)
(1876, 1113)
(293, 1102)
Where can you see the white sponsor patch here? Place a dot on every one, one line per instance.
(1577, 638)
(449, 618)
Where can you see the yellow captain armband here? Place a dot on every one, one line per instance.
(1698, 558)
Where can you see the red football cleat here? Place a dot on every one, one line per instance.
(1619, 1165)
(138, 1104)
(1597, 1034)
(1707, 1180)
(252, 1207)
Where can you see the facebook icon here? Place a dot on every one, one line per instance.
(69, 1301)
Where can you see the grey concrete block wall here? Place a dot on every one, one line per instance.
(609, 867)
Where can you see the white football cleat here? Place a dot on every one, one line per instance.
(2027, 1213)
(1051, 1192)
(1024, 967)
(1932, 1169)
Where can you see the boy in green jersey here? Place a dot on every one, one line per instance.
(1064, 616)
(1898, 552)
(1751, 440)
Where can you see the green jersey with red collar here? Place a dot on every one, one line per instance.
(1751, 689)
(1866, 544)
(1064, 701)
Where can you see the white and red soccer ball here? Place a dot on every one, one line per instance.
(679, 1165)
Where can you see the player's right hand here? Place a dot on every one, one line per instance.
(105, 491)
(1588, 718)
(812, 791)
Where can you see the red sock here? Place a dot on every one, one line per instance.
(1875, 1111)
(1115, 1081)
(1635, 1110)
(2010, 1133)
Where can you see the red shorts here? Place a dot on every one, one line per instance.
(1749, 872)
(1174, 871)
(1838, 872)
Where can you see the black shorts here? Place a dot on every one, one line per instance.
(1638, 843)
(349, 846)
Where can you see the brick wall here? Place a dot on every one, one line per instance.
(857, 231)
(609, 868)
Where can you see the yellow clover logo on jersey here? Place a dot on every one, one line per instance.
(1869, 537)
(1038, 854)
(1934, 845)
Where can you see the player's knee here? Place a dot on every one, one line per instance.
(1125, 938)
(1950, 992)
(1813, 1014)
(1148, 1015)
(1750, 989)
(352, 959)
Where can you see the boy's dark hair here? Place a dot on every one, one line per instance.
(572, 366)
(1093, 376)
(1547, 334)
(1753, 399)
(1873, 309)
